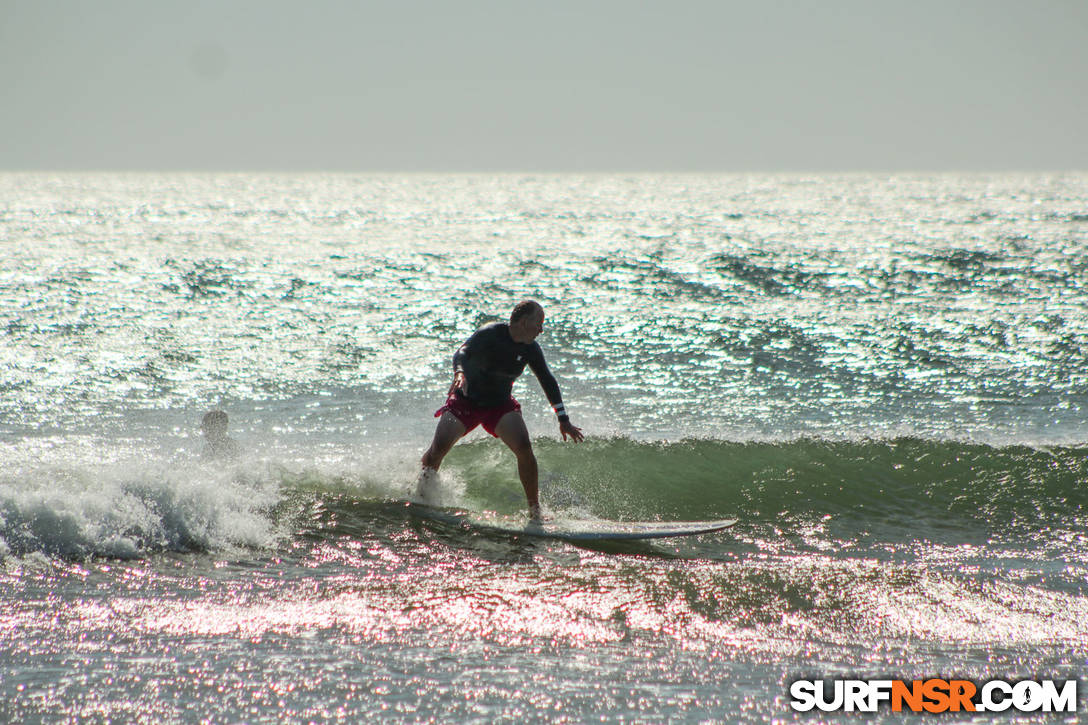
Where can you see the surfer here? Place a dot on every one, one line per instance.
(218, 446)
(484, 371)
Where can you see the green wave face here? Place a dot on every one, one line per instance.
(892, 481)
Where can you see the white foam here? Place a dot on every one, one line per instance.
(436, 488)
(130, 509)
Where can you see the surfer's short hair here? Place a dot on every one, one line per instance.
(214, 419)
(524, 309)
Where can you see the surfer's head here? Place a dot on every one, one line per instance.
(526, 321)
(214, 424)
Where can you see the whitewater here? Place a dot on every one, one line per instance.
(883, 377)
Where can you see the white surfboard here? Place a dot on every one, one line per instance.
(571, 529)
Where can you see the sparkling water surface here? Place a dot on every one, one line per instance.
(883, 377)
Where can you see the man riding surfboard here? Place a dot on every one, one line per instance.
(485, 368)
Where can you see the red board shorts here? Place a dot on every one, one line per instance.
(471, 415)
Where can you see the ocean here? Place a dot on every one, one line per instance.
(883, 377)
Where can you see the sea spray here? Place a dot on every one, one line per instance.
(132, 509)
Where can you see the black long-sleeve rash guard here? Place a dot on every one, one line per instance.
(491, 361)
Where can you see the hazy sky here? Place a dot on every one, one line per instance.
(552, 85)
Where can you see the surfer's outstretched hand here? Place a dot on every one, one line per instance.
(569, 429)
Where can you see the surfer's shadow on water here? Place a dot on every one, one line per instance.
(437, 535)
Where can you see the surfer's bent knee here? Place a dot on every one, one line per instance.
(522, 447)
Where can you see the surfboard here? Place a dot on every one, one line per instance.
(568, 529)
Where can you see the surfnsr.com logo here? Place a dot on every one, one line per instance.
(934, 695)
